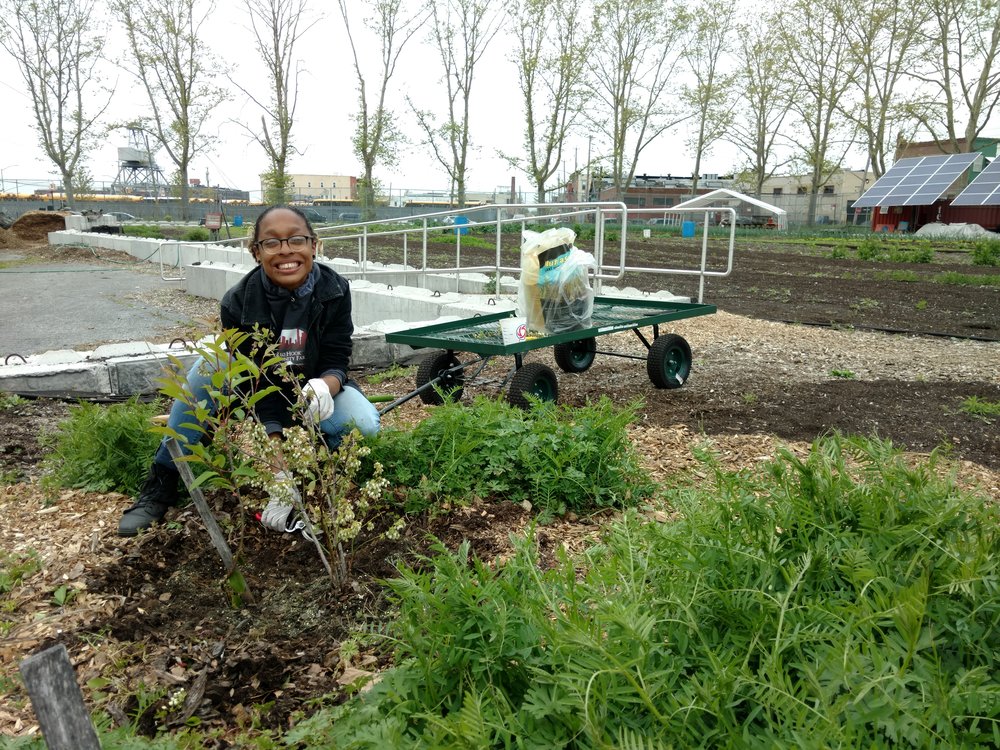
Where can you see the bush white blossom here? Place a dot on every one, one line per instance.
(241, 458)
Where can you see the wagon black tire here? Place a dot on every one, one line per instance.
(431, 367)
(576, 356)
(533, 379)
(669, 361)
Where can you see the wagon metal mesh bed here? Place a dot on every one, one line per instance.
(441, 374)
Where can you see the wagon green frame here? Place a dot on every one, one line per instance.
(481, 335)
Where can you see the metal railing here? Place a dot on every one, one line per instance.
(201, 248)
(599, 214)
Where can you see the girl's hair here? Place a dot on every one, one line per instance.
(269, 209)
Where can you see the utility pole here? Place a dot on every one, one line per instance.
(589, 173)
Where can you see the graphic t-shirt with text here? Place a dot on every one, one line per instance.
(292, 346)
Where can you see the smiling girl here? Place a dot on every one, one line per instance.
(305, 308)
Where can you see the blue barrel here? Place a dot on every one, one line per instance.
(687, 229)
(459, 221)
(238, 220)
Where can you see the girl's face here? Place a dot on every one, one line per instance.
(289, 263)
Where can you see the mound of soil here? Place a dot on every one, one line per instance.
(9, 240)
(34, 226)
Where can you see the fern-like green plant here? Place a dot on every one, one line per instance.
(842, 599)
(101, 448)
(557, 458)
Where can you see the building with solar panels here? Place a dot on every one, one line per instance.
(926, 186)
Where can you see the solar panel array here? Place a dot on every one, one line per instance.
(917, 181)
(984, 190)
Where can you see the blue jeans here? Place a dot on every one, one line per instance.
(350, 409)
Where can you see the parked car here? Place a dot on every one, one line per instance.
(740, 221)
(349, 216)
(313, 215)
(122, 216)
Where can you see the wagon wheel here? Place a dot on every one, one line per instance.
(533, 379)
(668, 363)
(436, 365)
(576, 356)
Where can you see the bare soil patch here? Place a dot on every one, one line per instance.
(153, 612)
(782, 281)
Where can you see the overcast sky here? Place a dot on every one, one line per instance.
(323, 126)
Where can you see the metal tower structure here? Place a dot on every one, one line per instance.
(137, 171)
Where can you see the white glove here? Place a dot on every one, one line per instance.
(319, 404)
(280, 514)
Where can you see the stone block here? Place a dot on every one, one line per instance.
(58, 357)
(130, 376)
(79, 380)
(126, 349)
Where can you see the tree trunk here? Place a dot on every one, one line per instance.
(185, 193)
(368, 194)
(67, 178)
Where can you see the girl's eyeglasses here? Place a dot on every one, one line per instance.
(272, 245)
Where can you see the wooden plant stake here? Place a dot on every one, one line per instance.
(235, 578)
(57, 700)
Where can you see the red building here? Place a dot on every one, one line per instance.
(911, 218)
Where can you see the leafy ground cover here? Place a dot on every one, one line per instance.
(843, 599)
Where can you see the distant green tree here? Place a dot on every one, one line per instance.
(57, 45)
(277, 26)
(757, 128)
(461, 30)
(817, 53)
(376, 140)
(277, 186)
(632, 70)
(166, 41)
(887, 43)
(959, 71)
(710, 97)
(551, 64)
(83, 180)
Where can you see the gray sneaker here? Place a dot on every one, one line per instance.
(157, 496)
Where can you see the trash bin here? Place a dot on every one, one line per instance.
(687, 229)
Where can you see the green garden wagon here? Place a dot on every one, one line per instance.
(443, 373)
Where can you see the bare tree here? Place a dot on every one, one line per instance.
(57, 46)
(376, 138)
(177, 73)
(551, 62)
(817, 53)
(461, 30)
(885, 43)
(961, 72)
(766, 99)
(631, 69)
(277, 25)
(711, 96)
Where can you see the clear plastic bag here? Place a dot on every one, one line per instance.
(555, 294)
